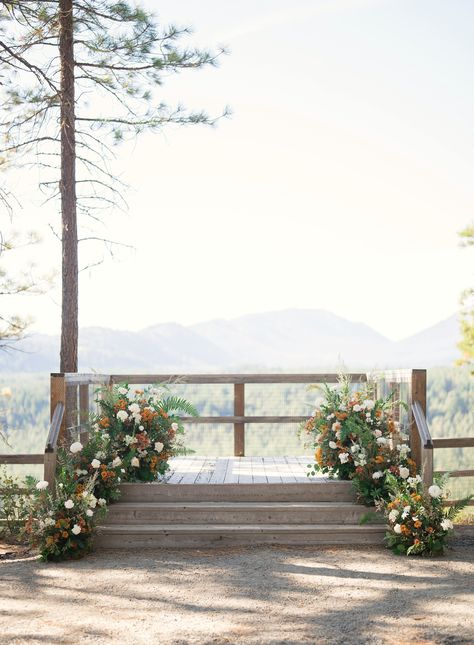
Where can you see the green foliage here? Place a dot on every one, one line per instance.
(466, 344)
(15, 495)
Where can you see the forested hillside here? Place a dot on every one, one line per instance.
(25, 416)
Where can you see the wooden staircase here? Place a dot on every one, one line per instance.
(200, 515)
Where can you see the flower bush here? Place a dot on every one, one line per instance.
(418, 520)
(356, 438)
(131, 438)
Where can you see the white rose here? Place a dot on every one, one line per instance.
(122, 390)
(403, 449)
(138, 418)
(101, 501)
(95, 463)
(76, 447)
(404, 472)
(69, 503)
(174, 426)
(89, 513)
(130, 439)
(49, 521)
(406, 512)
(134, 408)
(76, 529)
(343, 457)
(122, 415)
(397, 528)
(392, 516)
(357, 408)
(377, 475)
(446, 524)
(381, 441)
(158, 446)
(435, 491)
(355, 448)
(92, 501)
(141, 428)
(333, 445)
(42, 485)
(135, 462)
(116, 462)
(377, 433)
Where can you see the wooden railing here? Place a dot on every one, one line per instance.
(71, 399)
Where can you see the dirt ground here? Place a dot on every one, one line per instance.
(265, 595)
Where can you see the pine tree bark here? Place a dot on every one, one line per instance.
(70, 303)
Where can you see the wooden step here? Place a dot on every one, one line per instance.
(316, 491)
(235, 513)
(148, 536)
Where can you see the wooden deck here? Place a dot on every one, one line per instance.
(239, 470)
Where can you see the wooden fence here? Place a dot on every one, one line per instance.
(71, 399)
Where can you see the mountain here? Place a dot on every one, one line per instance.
(295, 339)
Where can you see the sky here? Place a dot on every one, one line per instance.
(340, 181)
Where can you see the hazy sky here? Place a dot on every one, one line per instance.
(340, 181)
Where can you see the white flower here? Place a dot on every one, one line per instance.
(330, 416)
(397, 528)
(435, 491)
(392, 516)
(60, 485)
(42, 485)
(130, 439)
(137, 418)
(48, 521)
(368, 415)
(343, 457)
(135, 462)
(100, 455)
(377, 433)
(404, 472)
(141, 428)
(122, 390)
(446, 524)
(318, 403)
(122, 470)
(174, 426)
(355, 448)
(158, 446)
(105, 436)
(101, 501)
(381, 441)
(92, 501)
(89, 513)
(134, 408)
(403, 449)
(69, 503)
(95, 463)
(369, 404)
(333, 445)
(377, 475)
(116, 462)
(122, 415)
(413, 481)
(76, 529)
(76, 447)
(406, 512)
(357, 408)
(336, 426)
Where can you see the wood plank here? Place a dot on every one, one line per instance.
(245, 470)
(207, 471)
(72, 378)
(218, 476)
(271, 471)
(258, 471)
(193, 468)
(143, 379)
(231, 475)
(22, 459)
(462, 442)
(178, 469)
(456, 473)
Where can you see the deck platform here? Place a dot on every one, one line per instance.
(240, 470)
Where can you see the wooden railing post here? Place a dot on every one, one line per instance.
(84, 412)
(239, 411)
(417, 393)
(58, 395)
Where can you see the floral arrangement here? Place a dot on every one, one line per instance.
(356, 438)
(132, 437)
(61, 524)
(418, 520)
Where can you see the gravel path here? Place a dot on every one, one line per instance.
(265, 595)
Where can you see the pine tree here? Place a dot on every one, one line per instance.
(78, 76)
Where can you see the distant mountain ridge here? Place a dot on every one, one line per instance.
(287, 339)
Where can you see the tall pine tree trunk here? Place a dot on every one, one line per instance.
(70, 304)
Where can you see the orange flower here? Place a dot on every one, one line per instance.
(416, 541)
(379, 459)
(318, 455)
(104, 423)
(65, 534)
(417, 524)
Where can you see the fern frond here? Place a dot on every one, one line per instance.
(178, 405)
